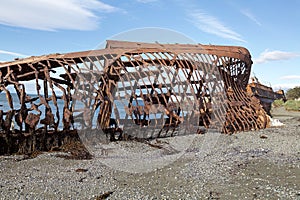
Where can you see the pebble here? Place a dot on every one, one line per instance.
(228, 170)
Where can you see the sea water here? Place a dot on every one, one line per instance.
(118, 106)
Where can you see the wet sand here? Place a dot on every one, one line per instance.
(261, 164)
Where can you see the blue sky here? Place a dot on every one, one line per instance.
(269, 28)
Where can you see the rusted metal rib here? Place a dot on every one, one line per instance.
(134, 84)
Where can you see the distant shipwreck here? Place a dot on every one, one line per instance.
(126, 90)
(264, 94)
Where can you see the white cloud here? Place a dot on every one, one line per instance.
(248, 14)
(12, 54)
(54, 14)
(290, 77)
(274, 56)
(212, 25)
(284, 86)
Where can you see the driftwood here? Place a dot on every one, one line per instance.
(128, 86)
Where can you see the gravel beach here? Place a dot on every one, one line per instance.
(261, 164)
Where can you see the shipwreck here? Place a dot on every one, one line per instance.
(126, 90)
(265, 94)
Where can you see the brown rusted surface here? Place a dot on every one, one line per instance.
(130, 89)
(264, 94)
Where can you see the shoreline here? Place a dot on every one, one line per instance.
(212, 167)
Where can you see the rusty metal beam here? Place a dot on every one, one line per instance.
(163, 86)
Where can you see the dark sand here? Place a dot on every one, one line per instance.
(261, 164)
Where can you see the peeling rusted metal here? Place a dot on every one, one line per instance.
(176, 85)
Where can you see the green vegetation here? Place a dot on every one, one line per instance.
(293, 93)
(278, 103)
(291, 105)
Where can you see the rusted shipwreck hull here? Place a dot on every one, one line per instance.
(126, 90)
(264, 94)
